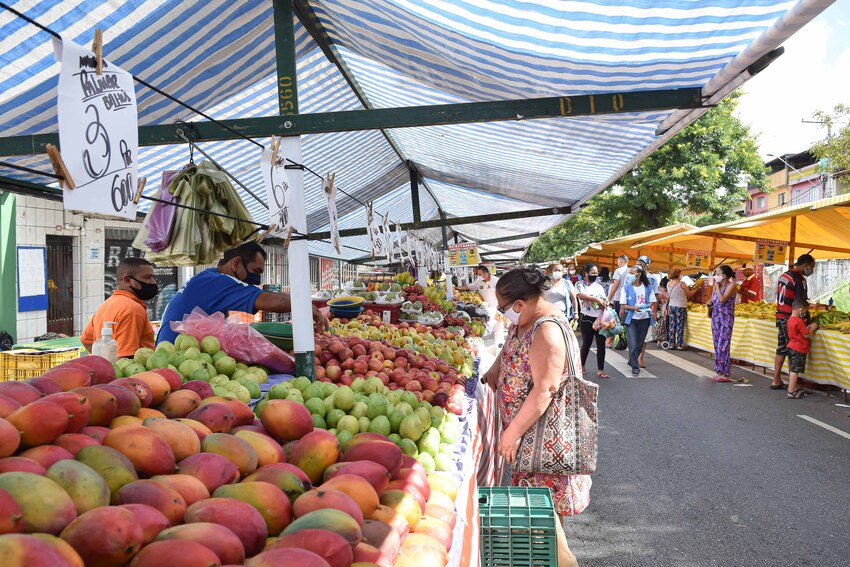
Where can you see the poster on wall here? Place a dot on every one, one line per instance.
(277, 189)
(463, 254)
(98, 132)
(770, 252)
(32, 278)
(166, 276)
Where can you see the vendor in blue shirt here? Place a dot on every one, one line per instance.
(231, 286)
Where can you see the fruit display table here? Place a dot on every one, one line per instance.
(754, 341)
(468, 456)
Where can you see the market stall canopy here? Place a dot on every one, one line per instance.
(606, 253)
(219, 56)
(820, 228)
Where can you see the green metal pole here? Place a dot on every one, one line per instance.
(298, 255)
(8, 265)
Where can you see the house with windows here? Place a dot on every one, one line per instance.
(792, 179)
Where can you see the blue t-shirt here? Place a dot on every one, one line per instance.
(211, 291)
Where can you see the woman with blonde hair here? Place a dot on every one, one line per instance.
(677, 308)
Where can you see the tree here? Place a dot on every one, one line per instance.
(699, 176)
(836, 150)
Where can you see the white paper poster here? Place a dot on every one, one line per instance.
(277, 190)
(98, 132)
(31, 271)
(329, 190)
(410, 244)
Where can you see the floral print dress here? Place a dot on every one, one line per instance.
(571, 493)
(722, 322)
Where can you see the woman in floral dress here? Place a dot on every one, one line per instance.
(526, 374)
(722, 321)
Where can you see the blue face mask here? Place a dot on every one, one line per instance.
(253, 279)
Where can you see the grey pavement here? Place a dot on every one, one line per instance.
(693, 473)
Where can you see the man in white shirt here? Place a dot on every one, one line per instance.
(618, 281)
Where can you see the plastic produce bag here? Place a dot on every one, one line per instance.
(241, 341)
(608, 323)
(160, 221)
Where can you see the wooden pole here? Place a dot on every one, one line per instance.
(791, 242)
(713, 251)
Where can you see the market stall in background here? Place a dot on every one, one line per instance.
(771, 239)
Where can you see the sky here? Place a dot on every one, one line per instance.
(813, 74)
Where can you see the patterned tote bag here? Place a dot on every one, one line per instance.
(564, 440)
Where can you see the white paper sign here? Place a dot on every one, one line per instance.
(388, 239)
(398, 241)
(98, 132)
(31, 271)
(376, 242)
(329, 190)
(409, 244)
(277, 189)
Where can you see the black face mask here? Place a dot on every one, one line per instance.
(592, 279)
(147, 291)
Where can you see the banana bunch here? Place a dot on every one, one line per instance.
(756, 310)
(405, 278)
(698, 282)
(697, 308)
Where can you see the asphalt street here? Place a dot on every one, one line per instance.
(696, 473)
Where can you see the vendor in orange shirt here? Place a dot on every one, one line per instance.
(126, 307)
(751, 287)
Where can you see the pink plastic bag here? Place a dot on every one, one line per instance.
(241, 341)
(160, 222)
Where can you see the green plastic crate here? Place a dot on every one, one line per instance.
(517, 527)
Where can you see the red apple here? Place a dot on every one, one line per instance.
(326, 356)
(346, 354)
(333, 372)
(376, 365)
(336, 346)
(346, 380)
(360, 367)
(358, 349)
(384, 378)
(377, 355)
(400, 362)
(413, 386)
(347, 364)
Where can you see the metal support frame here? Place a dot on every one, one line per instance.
(414, 192)
(386, 118)
(506, 251)
(452, 221)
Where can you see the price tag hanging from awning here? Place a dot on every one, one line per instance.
(329, 191)
(98, 132)
(276, 181)
(373, 227)
(398, 242)
(388, 239)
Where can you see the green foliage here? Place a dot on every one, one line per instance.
(837, 149)
(699, 176)
(841, 297)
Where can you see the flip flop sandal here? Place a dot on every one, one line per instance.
(602, 375)
(722, 379)
(798, 395)
(778, 387)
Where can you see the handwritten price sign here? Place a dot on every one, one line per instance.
(98, 132)
(277, 190)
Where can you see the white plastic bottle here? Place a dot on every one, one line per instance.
(106, 346)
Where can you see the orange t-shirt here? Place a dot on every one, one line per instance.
(132, 330)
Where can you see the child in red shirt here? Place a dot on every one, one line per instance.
(798, 345)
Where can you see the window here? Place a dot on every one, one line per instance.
(781, 199)
(760, 202)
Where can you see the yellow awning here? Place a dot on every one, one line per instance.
(605, 253)
(821, 228)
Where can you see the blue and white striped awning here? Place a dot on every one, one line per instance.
(219, 56)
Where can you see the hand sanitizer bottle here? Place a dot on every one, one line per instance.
(106, 346)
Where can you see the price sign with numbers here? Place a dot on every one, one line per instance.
(98, 132)
(770, 252)
(463, 254)
(277, 191)
(699, 259)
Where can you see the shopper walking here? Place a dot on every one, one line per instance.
(637, 304)
(539, 350)
(562, 294)
(677, 311)
(792, 286)
(722, 312)
(605, 279)
(593, 300)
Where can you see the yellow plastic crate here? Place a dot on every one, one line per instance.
(21, 364)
